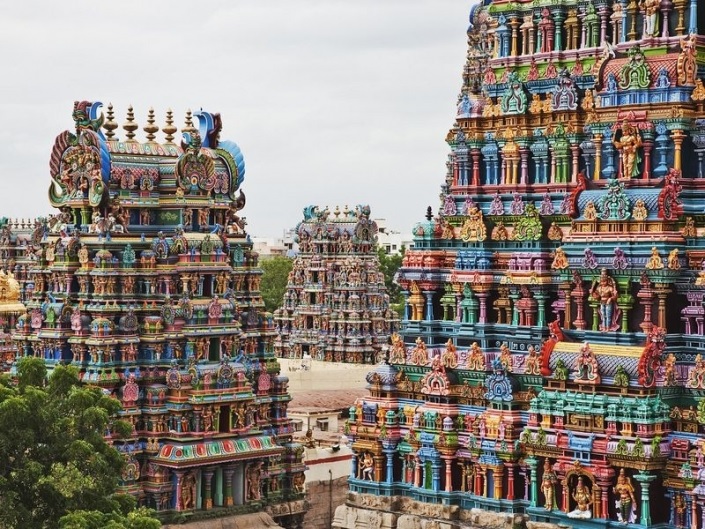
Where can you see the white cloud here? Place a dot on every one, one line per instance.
(332, 101)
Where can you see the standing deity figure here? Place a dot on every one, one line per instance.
(628, 145)
(583, 500)
(625, 502)
(367, 467)
(548, 485)
(605, 290)
(650, 10)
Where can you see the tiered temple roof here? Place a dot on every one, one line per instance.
(551, 354)
(147, 282)
(336, 306)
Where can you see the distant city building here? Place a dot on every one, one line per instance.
(392, 241)
(336, 306)
(146, 282)
(276, 246)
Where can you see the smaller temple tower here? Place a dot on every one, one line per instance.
(336, 306)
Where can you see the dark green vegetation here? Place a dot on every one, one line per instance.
(388, 265)
(273, 287)
(56, 469)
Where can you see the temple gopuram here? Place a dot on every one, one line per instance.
(147, 282)
(550, 359)
(336, 307)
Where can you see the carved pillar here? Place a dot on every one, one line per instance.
(524, 153)
(602, 11)
(417, 473)
(632, 9)
(568, 316)
(449, 475)
(510, 482)
(533, 463)
(482, 296)
(514, 296)
(429, 304)
(436, 475)
(597, 140)
(646, 297)
(389, 453)
(692, 29)
(379, 460)
(575, 151)
(498, 474)
(680, 12)
(645, 479)
(475, 166)
(541, 308)
(678, 137)
(666, 8)
(579, 295)
(405, 294)
(514, 23)
(558, 18)
(648, 145)
(662, 292)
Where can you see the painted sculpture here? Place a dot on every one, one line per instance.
(577, 397)
(336, 307)
(147, 283)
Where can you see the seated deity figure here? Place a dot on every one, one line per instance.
(583, 500)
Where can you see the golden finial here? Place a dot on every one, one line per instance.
(111, 124)
(130, 126)
(188, 125)
(150, 128)
(169, 129)
(346, 210)
(337, 212)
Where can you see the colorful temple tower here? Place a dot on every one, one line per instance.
(146, 281)
(336, 306)
(550, 358)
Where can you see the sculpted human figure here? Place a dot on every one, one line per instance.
(583, 500)
(605, 290)
(548, 485)
(625, 503)
(629, 145)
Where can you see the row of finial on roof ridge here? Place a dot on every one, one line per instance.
(151, 128)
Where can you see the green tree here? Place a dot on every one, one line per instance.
(388, 265)
(274, 279)
(54, 461)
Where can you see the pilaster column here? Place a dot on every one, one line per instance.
(475, 167)
(228, 473)
(575, 152)
(558, 18)
(207, 478)
(498, 474)
(524, 154)
(436, 476)
(482, 296)
(645, 479)
(666, 8)
(515, 36)
(678, 137)
(693, 26)
(648, 145)
(597, 140)
(632, 9)
(405, 294)
(541, 308)
(603, 23)
(533, 463)
(389, 477)
(417, 473)
(429, 304)
(179, 481)
(662, 292)
(449, 475)
(510, 482)
(514, 296)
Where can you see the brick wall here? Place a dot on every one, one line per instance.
(319, 515)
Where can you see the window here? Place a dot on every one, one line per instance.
(298, 424)
(322, 424)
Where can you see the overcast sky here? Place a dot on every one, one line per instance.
(331, 101)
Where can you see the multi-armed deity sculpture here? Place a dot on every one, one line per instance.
(565, 272)
(146, 281)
